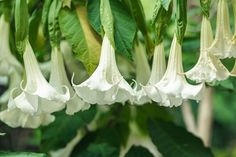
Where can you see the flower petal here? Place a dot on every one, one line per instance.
(208, 68)
(223, 35)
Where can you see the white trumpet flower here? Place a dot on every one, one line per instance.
(173, 83)
(158, 71)
(142, 74)
(16, 118)
(208, 68)
(106, 85)
(223, 36)
(37, 95)
(58, 78)
(7, 61)
(232, 47)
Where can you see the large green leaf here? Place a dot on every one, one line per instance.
(172, 141)
(125, 29)
(94, 15)
(64, 129)
(139, 16)
(100, 150)
(150, 111)
(138, 151)
(124, 25)
(21, 154)
(76, 29)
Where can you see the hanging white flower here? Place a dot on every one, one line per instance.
(158, 70)
(173, 83)
(232, 47)
(17, 118)
(106, 85)
(208, 68)
(142, 74)
(7, 61)
(59, 78)
(37, 95)
(223, 36)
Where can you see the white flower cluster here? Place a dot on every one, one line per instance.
(31, 102)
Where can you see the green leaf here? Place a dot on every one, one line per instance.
(181, 19)
(21, 154)
(107, 20)
(124, 25)
(21, 24)
(150, 111)
(100, 150)
(64, 129)
(77, 31)
(138, 151)
(166, 4)
(172, 140)
(139, 16)
(125, 29)
(205, 6)
(94, 15)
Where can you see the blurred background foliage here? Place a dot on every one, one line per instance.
(104, 129)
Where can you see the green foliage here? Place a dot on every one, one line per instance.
(21, 154)
(100, 150)
(94, 16)
(150, 111)
(139, 16)
(21, 24)
(64, 128)
(137, 151)
(124, 25)
(171, 140)
(85, 46)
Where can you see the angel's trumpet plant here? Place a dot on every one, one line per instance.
(223, 36)
(37, 95)
(7, 61)
(106, 85)
(173, 83)
(142, 74)
(208, 68)
(59, 78)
